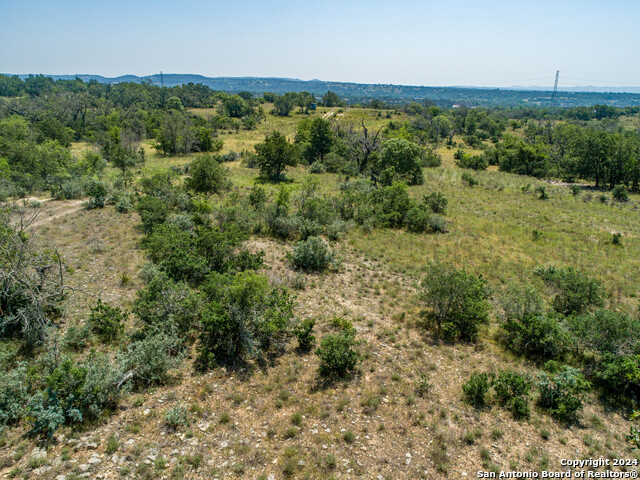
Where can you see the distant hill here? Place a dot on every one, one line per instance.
(359, 92)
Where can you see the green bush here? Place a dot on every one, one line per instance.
(97, 192)
(207, 175)
(304, 333)
(512, 390)
(149, 360)
(312, 254)
(473, 162)
(74, 393)
(176, 417)
(418, 219)
(542, 336)
(620, 193)
(469, 179)
(257, 197)
(106, 322)
(317, 167)
(153, 211)
(605, 332)
(338, 354)
(246, 318)
(476, 388)
(561, 394)
(576, 292)
(457, 302)
(436, 201)
(14, 394)
(124, 205)
(620, 375)
(390, 205)
(527, 330)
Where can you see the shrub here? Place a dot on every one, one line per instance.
(312, 254)
(538, 336)
(457, 301)
(124, 205)
(438, 224)
(561, 394)
(106, 322)
(575, 190)
(616, 239)
(257, 197)
(605, 332)
(541, 190)
(575, 291)
(176, 417)
(207, 175)
(469, 179)
(148, 361)
(473, 162)
(317, 167)
(436, 201)
(74, 393)
(190, 256)
(418, 220)
(620, 375)
(14, 394)
(423, 385)
(246, 317)
(97, 190)
(166, 306)
(152, 211)
(512, 390)
(76, 337)
(390, 205)
(31, 281)
(304, 333)
(527, 330)
(620, 194)
(476, 388)
(338, 354)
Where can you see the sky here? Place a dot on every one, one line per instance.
(435, 43)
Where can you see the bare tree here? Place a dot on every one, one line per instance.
(31, 278)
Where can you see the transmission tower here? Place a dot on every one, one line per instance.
(555, 88)
(162, 80)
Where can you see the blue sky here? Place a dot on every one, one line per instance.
(484, 43)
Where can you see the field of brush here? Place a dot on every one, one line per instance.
(280, 422)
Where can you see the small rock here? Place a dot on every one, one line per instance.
(84, 467)
(92, 445)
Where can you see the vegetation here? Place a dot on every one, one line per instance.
(227, 228)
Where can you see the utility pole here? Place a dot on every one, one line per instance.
(555, 88)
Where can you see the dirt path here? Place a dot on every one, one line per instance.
(328, 114)
(52, 210)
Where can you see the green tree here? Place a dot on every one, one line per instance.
(405, 157)
(207, 175)
(283, 104)
(331, 99)
(275, 154)
(457, 302)
(320, 138)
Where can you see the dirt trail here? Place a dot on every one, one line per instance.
(52, 210)
(328, 114)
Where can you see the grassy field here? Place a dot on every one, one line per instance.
(280, 422)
